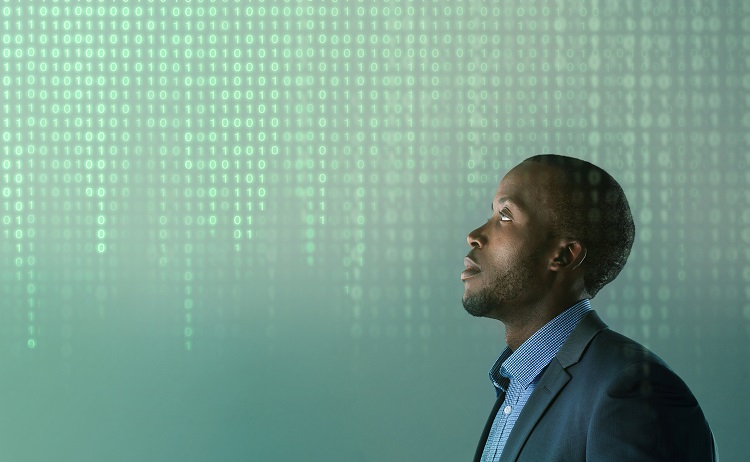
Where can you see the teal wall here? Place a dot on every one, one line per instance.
(234, 230)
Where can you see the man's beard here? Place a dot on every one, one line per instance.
(490, 300)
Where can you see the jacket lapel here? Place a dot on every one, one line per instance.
(553, 380)
(488, 427)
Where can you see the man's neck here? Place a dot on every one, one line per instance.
(519, 330)
(515, 335)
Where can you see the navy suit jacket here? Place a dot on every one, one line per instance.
(604, 397)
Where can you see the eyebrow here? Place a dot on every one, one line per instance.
(505, 200)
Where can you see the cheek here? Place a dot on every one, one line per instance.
(515, 256)
(505, 258)
(508, 246)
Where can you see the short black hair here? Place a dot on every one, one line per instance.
(593, 209)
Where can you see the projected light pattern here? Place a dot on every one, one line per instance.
(208, 111)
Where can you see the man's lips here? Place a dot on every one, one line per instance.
(469, 263)
(472, 269)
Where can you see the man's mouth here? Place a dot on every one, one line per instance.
(472, 269)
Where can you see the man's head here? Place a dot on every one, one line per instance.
(561, 229)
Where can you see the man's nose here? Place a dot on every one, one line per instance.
(476, 238)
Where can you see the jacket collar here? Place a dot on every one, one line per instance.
(553, 380)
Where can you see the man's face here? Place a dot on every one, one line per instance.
(513, 249)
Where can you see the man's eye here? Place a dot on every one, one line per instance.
(503, 217)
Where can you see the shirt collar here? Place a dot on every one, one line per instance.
(530, 359)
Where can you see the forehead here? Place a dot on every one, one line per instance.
(532, 186)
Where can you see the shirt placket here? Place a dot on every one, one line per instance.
(498, 432)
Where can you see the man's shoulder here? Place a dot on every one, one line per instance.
(624, 350)
(593, 341)
(621, 363)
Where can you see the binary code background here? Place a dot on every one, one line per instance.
(234, 230)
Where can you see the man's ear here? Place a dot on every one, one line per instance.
(569, 256)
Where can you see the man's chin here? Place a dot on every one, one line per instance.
(475, 306)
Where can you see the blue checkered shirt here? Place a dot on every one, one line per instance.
(517, 372)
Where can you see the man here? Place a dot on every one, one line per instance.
(568, 388)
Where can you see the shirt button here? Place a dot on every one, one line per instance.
(507, 410)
